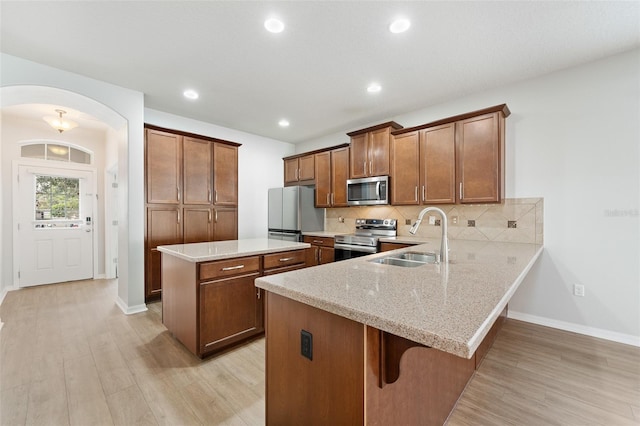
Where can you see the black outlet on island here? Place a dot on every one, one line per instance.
(306, 344)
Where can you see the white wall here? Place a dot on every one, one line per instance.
(572, 138)
(16, 130)
(24, 81)
(260, 166)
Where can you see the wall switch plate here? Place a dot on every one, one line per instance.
(306, 344)
(578, 290)
(432, 220)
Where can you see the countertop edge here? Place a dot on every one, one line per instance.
(213, 257)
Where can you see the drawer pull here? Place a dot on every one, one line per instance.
(318, 242)
(231, 268)
(286, 259)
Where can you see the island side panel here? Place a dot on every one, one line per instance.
(179, 300)
(429, 384)
(328, 389)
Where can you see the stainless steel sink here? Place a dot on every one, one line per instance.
(409, 259)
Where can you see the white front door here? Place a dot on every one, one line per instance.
(54, 217)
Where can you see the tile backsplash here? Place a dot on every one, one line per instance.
(514, 220)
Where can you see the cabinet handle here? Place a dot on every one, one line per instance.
(364, 168)
(415, 194)
(424, 193)
(319, 255)
(318, 242)
(297, 174)
(209, 195)
(258, 293)
(178, 192)
(215, 195)
(328, 198)
(332, 198)
(209, 216)
(178, 216)
(286, 259)
(216, 216)
(370, 167)
(231, 268)
(460, 191)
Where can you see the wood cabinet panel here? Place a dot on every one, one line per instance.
(359, 156)
(323, 179)
(405, 169)
(197, 171)
(163, 226)
(153, 271)
(225, 224)
(438, 164)
(197, 225)
(299, 169)
(321, 250)
(479, 159)
(230, 310)
(379, 152)
(393, 246)
(328, 389)
(370, 151)
(225, 175)
(163, 167)
(291, 170)
(339, 176)
(306, 165)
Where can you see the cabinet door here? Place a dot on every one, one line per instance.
(225, 175)
(291, 170)
(230, 310)
(339, 176)
(323, 179)
(358, 157)
(306, 166)
(163, 227)
(326, 255)
(479, 159)
(163, 167)
(405, 169)
(438, 165)
(379, 152)
(225, 224)
(197, 225)
(197, 172)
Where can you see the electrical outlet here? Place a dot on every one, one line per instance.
(306, 344)
(341, 219)
(407, 221)
(432, 220)
(578, 290)
(454, 220)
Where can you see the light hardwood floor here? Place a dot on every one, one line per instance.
(69, 356)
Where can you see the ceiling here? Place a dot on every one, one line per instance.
(314, 73)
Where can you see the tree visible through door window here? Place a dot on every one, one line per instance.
(57, 198)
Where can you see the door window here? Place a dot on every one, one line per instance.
(57, 198)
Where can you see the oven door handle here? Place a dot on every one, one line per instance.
(365, 249)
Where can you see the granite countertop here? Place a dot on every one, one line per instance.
(328, 234)
(448, 307)
(217, 250)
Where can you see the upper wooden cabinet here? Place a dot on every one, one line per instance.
(332, 171)
(163, 167)
(369, 153)
(299, 170)
(455, 160)
(191, 186)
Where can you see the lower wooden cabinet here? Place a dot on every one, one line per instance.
(209, 306)
(393, 246)
(321, 250)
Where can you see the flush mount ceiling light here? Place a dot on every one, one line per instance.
(274, 25)
(374, 88)
(399, 25)
(59, 123)
(190, 94)
(283, 123)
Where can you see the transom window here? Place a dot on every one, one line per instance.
(56, 152)
(57, 198)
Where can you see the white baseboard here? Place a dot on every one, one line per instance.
(129, 310)
(600, 333)
(4, 292)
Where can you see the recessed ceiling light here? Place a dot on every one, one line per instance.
(274, 25)
(399, 25)
(374, 88)
(190, 94)
(283, 123)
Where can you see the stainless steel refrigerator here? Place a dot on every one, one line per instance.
(292, 212)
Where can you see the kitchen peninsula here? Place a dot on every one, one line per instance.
(358, 342)
(209, 300)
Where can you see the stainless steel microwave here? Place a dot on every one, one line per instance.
(370, 191)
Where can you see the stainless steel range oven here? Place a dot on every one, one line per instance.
(365, 240)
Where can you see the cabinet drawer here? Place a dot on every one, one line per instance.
(318, 241)
(286, 258)
(225, 268)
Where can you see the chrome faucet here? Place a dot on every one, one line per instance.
(444, 243)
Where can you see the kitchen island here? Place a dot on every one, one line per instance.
(357, 342)
(209, 301)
